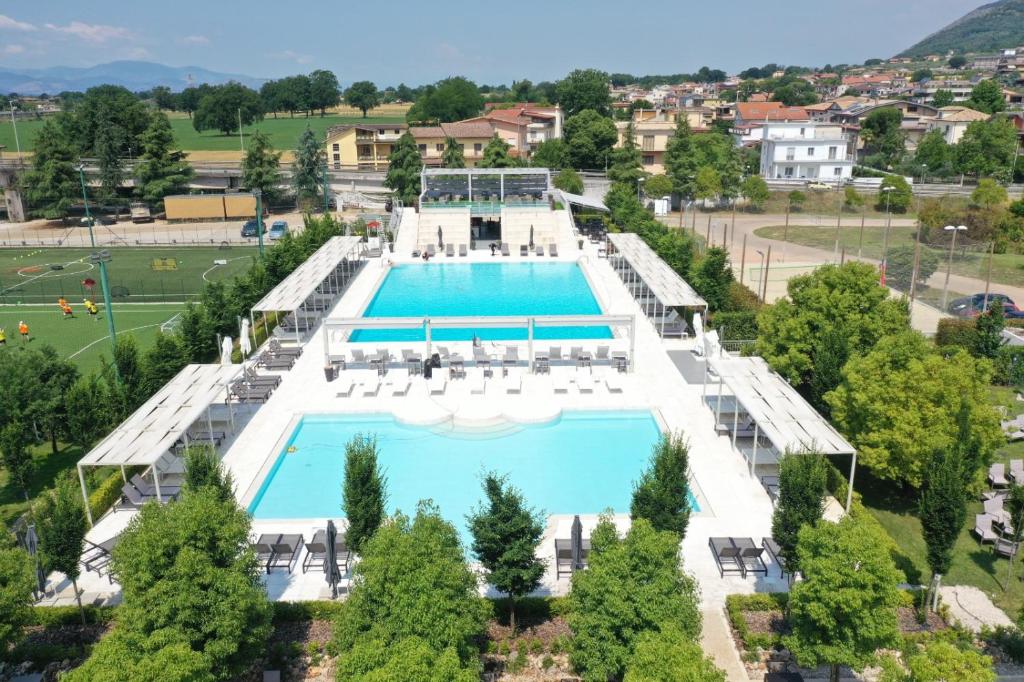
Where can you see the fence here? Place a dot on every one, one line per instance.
(154, 288)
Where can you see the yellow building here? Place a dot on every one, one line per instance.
(652, 131)
(364, 146)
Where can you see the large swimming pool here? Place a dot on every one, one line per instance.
(580, 463)
(483, 289)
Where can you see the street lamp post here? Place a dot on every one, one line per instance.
(949, 263)
(258, 193)
(760, 273)
(101, 258)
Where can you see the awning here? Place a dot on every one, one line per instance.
(583, 201)
(303, 282)
(664, 282)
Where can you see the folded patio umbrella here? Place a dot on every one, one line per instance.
(32, 546)
(440, 241)
(225, 351)
(243, 338)
(531, 236)
(331, 572)
(577, 544)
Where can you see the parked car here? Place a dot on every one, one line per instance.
(972, 306)
(818, 186)
(278, 229)
(251, 228)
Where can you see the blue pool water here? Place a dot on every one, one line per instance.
(483, 289)
(581, 463)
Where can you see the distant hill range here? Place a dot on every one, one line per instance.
(995, 26)
(132, 75)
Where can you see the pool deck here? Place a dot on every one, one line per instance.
(733, 503)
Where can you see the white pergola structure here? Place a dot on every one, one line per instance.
(779, 413)
(336, 330)
(640, 268)
(314, 285)
(150, 433)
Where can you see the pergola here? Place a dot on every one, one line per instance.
(313, 286)
(150, 433)
(582, 201)
(487, 184)
(778, 411)
(427, 324)
(640, 267)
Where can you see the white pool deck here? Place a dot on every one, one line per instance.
(734, 504)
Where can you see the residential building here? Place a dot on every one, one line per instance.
(472, 135)
(364, 145)
(953, 121)
(750, 117)
(651, 138)
(805, 150)
(925, 91)
(524, 126)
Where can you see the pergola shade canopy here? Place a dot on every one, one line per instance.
(664, 282)
(303, 282)
(583, 201)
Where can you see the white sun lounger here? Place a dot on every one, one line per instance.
(614, 382)
(437, 384)
(371, 386)
(513, 383)
(560, 382)
(585, 382)
(345, 385)
(398, 380)
(477, 385)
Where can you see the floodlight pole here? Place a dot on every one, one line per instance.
(326, 200)
(259, 218)
(104, 282)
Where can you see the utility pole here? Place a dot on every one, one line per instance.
(327, 201)
(241, 145)
(259, 218)
(14, 124)
(101, 258)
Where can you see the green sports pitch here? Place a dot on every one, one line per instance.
(137, 274)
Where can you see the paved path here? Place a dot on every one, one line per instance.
(716, 640)
(972, 607)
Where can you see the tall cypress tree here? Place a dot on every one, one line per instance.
(829, 357)
(310, 158)
(162, 169)
(52, 186)
(404, 166)
(662, 494)
(802, 480)
(261, 167)
(62, 528)
(625, 160)
(679, 160)
(363, 492)
(453, 156)
(943, 510)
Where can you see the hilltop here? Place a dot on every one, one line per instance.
(991, 27)
(134, 75)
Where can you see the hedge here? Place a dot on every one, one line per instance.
(1009, 366)
(106, 494)
(55, 616)
(735, 326)
(957, 332)
(736, 604)
(302, 611)
(41, 655)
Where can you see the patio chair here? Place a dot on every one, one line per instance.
(602, 354)
(994, 507)
(437, 384)
(264, 550)
(430, 250)
(276, 362)
(462, 251)
(286, 551)
(563, 558)
(614, 382)
(316, 552)
(345, 386)
(750, 555)
(983, 528)
(574, 354)
(553, 250)
(134, 496)
(555, 354)
(511, 358)
(524, 250)
(540, 250)
(449, 250)
(997, 475)
(253, 378)
(481, 359)
(504, 249)
(560, 382)
(1006, 548)
(1017, 471)
(727, 556)
(775, 552)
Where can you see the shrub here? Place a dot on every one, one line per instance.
(106, 495)
(735, 326)
(304, 611)
(1008, 639)
(56, 616)
(957, 332)
(1009, 366)
(736, 604)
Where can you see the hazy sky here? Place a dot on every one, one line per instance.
(490, 42)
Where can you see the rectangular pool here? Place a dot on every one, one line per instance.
(579, 463)
(483, 289)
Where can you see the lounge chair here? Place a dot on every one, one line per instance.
(585, 382)
(563, 558)
(553, 250)
(481, 359)
(286, 551)
(560, 382)
(983, 528)
(264, 549)
(602, 355)
(462, 251)
(399, 382)
(96, 556)
(358, 357)
(134, 496)
(437, 384)
(997, 475)
(371, 386)
(511, 358)
(775, 552)
(254, 379)
(477, 385)
(540, 250)
(316, 552)
(449, 250)
(727, 556)
(271, 361)
(443, 352)
(149, 490)
(513, 383)
(524, 250)
(614, 382)
(504, 249)
(1004, 547)
(430, 250)
(750, 555)
(1017, 471)
(345, 386)
(555, 354)
(275, 347)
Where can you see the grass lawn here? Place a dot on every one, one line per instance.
(1007, 268)
(48, 467)
(826, 203)
(26, 275)
(973, 563)
(283, 131)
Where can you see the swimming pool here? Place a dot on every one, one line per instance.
(579, 463)
(483, 289)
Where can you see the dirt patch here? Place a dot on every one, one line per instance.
(908, 621)
(766, 622)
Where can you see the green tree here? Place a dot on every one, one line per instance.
(667, 655)
(224, 106)
(52, 185)
(658, 186)
(852, 199)
(453, 156)
(846, 297)
(989, 333)
(844, 609)
(829, 356)
(899, 196)
(15, 455)
(718, 151)
(942, 510)
(712, 277)
(404, 166)
(451, 99)
(898, 404)
(679, 159)
(62, 528)
(261, 168)
(921, 75)
(957, 61)
(410, 659)
(163, 98)
(87, 420)
(631, 586)
(553, 154)
(987, 149)
(940, 661)
(162, 169)
(204, 471)
(309, 167)
(707, 184)
(324, 91)
(412, 581)
(802, 480)
(989, 193)
(899, 266)
(756, 191)
(129, 369)
(17, 580)
(497, 155)
(883, 135)
(363, 492)
(584, 89)
(506, 534)
(625, 160)
(987, 97)
(590, 138)
(189, 98)
(934, 153)
(107, 148)
(362, 95)
(569, 181)
(943, 98)
(661, 496)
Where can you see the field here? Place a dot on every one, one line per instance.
(283, 131)
(28, 275)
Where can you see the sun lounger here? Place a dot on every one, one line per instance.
(524, 250)
(275, 347)
(96, 557)
(511, 358)
(1004, 547)
(504, 249)
(555, 354)
(430, 250)
(437, 384)
(727, 556)
(481, 359)
(149, 490)
(614, 382)
(560, 382)
(775, 552)
(264, 550)
(997, 475)
(271, 361)
(553, 250)
(477, 385)
(358, 357)
(602, 354)
(254, 379)
(983, 528)
(371, 386)
(540, 250)
(1017, 471)
(345, 386)
(286, 551)
(585, 382)
(750, 555)
(449, 250)
(462, 251)
(399, 382)
(316, 553)
(513, 383)
(251, 394)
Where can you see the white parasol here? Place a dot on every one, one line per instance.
(225, 351)
(243, 338)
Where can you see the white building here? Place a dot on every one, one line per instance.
(805, 150)
(953, 122)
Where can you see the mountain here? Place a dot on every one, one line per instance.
(131, 74)
(991, 27)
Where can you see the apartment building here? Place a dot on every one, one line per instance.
(364, 146)
(472, 135)
(524, 126)
(805, 150)
(953, 121)
(925, 91)
(652, 131)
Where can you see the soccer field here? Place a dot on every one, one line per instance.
(137, 274)
(83, 339)
(283, 132)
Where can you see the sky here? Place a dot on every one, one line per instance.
(490, 42)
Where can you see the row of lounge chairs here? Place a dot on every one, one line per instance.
(740, 556)
(524, 249)
(994, 524)
(253, 387)
(278, 357)
(139, 491)
(997, 474)
(449, 250)
(276, 550)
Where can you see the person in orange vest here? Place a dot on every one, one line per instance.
(66, 309)
(61, 302)
(23, 330)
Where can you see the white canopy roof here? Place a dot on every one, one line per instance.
(148, 434)
(781, 414)
(664, 282)
(584, 201)
(291, 293)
